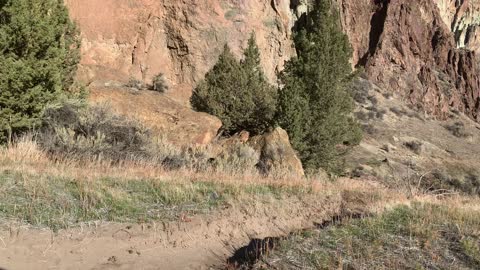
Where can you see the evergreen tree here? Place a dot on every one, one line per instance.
(38, 58)
(237, 92)
(263, 94)
(314, 104)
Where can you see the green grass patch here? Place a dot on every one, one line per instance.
(232, 13)
(60, 203)
(417, 237)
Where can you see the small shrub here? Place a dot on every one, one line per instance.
(380, 114)
(373, 100)
(159, 84)
(238, 93)
(360, 89)
(362, 116)
(415, 146)
(465, 181)
(369, 129)
(237, 159)
(135, 83)
(373, 113)
(457, 129)
(72, 130)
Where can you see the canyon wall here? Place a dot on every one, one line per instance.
(426, 50)
(180, 38)
(417, 49)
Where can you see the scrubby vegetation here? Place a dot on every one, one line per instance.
(135, 84)
(39, 54)
(237, 92)
(451, 180)
(38, 191)
(314, 104)
(159, 84)
(72, 130)
(423, 236)
(457, 129)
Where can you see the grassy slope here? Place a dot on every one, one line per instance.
(37, 191)
(421, 236)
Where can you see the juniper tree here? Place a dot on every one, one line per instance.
(264, 95)
(38, 58)
(237, 92)
(314, 104)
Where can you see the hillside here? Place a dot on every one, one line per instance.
(137, 179)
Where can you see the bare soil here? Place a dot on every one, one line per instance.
(199, 242)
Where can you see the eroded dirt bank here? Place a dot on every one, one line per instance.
(200, 242)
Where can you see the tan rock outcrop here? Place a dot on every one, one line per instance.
(276, 153)
(463, 17)
(164, 117)
(182, 39)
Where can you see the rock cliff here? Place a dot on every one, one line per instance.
(406, 46)
(182, 39)
(426, 50)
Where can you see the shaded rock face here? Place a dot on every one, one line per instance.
(182, 39)
(276, 153)
(405, 46)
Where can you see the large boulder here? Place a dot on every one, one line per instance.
(165, 117)
(276, 153)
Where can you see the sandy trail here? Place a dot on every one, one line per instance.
(204, 242)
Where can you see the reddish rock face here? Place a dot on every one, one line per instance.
(422, 49)
(412, 51)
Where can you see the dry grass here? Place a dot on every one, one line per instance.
(430, 230)
(42, 191)
(38, 190)
(419, 236)
(25, 157)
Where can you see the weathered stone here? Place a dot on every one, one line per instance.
(181, 39)
(464, 19)
(163, 116)
(405, 46)
(276, 153)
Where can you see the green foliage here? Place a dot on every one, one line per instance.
(237, 92)
(38, 57)
(159, 84)
(314, 104)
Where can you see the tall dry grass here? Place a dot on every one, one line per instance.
(41, 189)
(25, 157)
(45, 190)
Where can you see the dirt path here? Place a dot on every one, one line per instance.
(204, 242)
